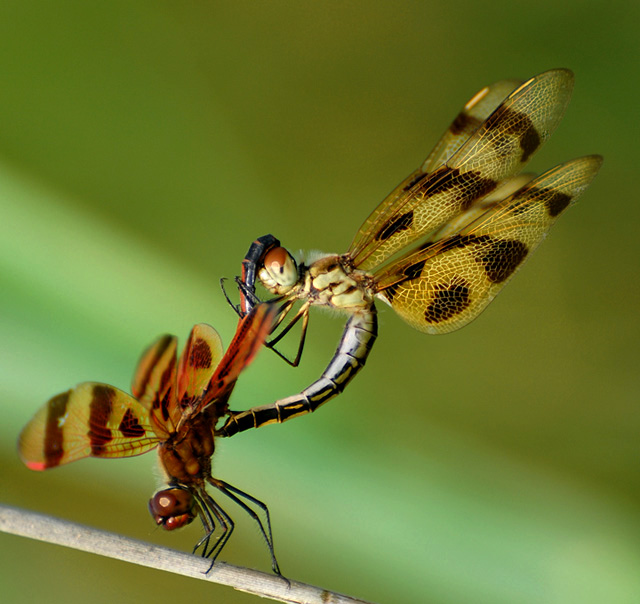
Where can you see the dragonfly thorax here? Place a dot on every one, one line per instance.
(332, 281)
(186, 455)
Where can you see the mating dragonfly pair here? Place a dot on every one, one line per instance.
(469, 219)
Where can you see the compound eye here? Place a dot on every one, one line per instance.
(172, 508)
(281, 267)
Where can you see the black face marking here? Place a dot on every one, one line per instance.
(54, 432)
(200, 357)
(400, 223)
(130, 426)
(449, 300)
(471, 185)
(502, 258)
(100, 410)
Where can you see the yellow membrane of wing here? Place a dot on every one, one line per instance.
(201, 355)
(447, 284)
(155, 372)
(470, 118)
(90, 420)
(496, 150)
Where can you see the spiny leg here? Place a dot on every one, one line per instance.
(235, 307)
(234, 494)
(225, 523)
(303, 314)
(207, 523)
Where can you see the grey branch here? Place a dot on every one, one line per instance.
(62, 532)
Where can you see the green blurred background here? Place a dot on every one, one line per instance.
(144, 146)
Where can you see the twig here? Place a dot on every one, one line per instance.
(62, 532)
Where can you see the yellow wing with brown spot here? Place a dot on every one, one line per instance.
(90, 420)
(444, 285)
(475, 164)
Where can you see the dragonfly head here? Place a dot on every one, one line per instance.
(173, 508)
(279, 272)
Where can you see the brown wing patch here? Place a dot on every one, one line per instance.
(448, 301)
(444, 285)
(200, 357)
(54, 434)
(464, 187)
(197, 363)
(88, 420)
(502, 258)
(556, 202)
(130, 426)
(400, 223)
(100, 410)
(519, 126)
(485, 155)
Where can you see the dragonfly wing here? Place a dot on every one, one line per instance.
(445, 285)
(90, 420)
(494, 151)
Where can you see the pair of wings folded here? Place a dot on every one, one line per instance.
(98, 420)
(470, 214)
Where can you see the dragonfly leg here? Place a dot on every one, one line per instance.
(357, 339)
(303, 314)
(250, 264)
(237, 496)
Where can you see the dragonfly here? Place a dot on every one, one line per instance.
(174, 407)
(439, 247)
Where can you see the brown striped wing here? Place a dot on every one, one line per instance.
(466, 123)
(475, 164)
(198, 362)
(155, 370)
(90, 420)
(445, 285)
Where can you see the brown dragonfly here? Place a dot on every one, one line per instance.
(174, 408)
(440, 246)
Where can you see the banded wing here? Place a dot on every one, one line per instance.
(90, 420)
(154, 381)
(470, 118)
(493, 152)
(167, 393)
(446, 284)
(198, 362)
(251, 333)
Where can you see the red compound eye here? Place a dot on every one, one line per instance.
(172, 508)
(275, 259)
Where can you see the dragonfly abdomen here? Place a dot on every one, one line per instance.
(350, 357)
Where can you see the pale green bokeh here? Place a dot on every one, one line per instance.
(144, 146)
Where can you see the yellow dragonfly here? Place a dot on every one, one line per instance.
(440, 246)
